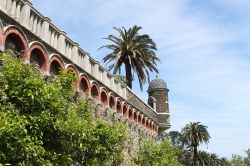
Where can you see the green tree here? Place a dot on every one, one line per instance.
(195, 133)
(151, 154)
(237, 160)
(133, 50)
(247, 158)
(41, 124)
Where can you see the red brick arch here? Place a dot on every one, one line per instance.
(143, 121)
(112, 102)
(135, 117)
(41, 52)
(125, 110)
(83, 83)
(118, 105)
(104, 96)
(18, 35)
(95, 90)
(139, 118)
(151, 125)
(148, 123)
(71, 68)
(130, 113)
(56, 61)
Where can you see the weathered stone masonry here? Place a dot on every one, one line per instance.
(26, 33)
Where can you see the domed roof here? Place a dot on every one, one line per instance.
(157, 84)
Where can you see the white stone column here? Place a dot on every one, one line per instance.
(31, 22)
(61, 43)
(13, 9)
(112, 83)
(18, 11)
(3, 5)
(25, 14)
(85, 64)
(74, 53)
(55, 40)
(34, 25)
(45, 30)
(52, 37)
(8, 6)
(96, 71)
(105, 78)
(38, 32)
(88, 64)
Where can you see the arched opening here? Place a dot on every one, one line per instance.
(152, 103)
(111, 102)
(84, 86)
(146, 124)
(72, 70)
(37, 60)
(14, 45)
(104, 98)
(130, 114)
(135, 117)
(118, 106)
(124, 111)
(94, 92)
(139, 119)
(143, 121)
(55, 68)
(150, 126)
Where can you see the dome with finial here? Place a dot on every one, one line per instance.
(157, 84)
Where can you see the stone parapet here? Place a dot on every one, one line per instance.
(36, 31)
(140, 105)
(26, 15)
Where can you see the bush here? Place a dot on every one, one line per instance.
(41, 124)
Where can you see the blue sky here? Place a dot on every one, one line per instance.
(204, 47)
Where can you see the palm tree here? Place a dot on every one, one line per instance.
(195, 133)
(203, 158)
(134, 51)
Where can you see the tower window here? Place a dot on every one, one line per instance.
(152, 102)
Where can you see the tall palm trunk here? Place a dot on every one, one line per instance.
(195, 155)
(128, 74)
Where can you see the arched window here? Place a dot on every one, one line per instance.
(139, 119)
(37, 59)
(55, 68)
(84, 86)
(143, 121)
(111, 102)
(152, 102)
(14, 45)
(125, 111)
(104, 98)
(135, 117)
(130, 114)
(94, 92)
(118, 106)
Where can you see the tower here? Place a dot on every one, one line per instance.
(158, 100)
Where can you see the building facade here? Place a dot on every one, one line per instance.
(27, 34)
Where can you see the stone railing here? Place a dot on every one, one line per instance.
(29, 18)
(25, 14)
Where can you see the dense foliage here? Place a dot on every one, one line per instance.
(238, 160)
(151, 154)
(136, 52)
(43, 124)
